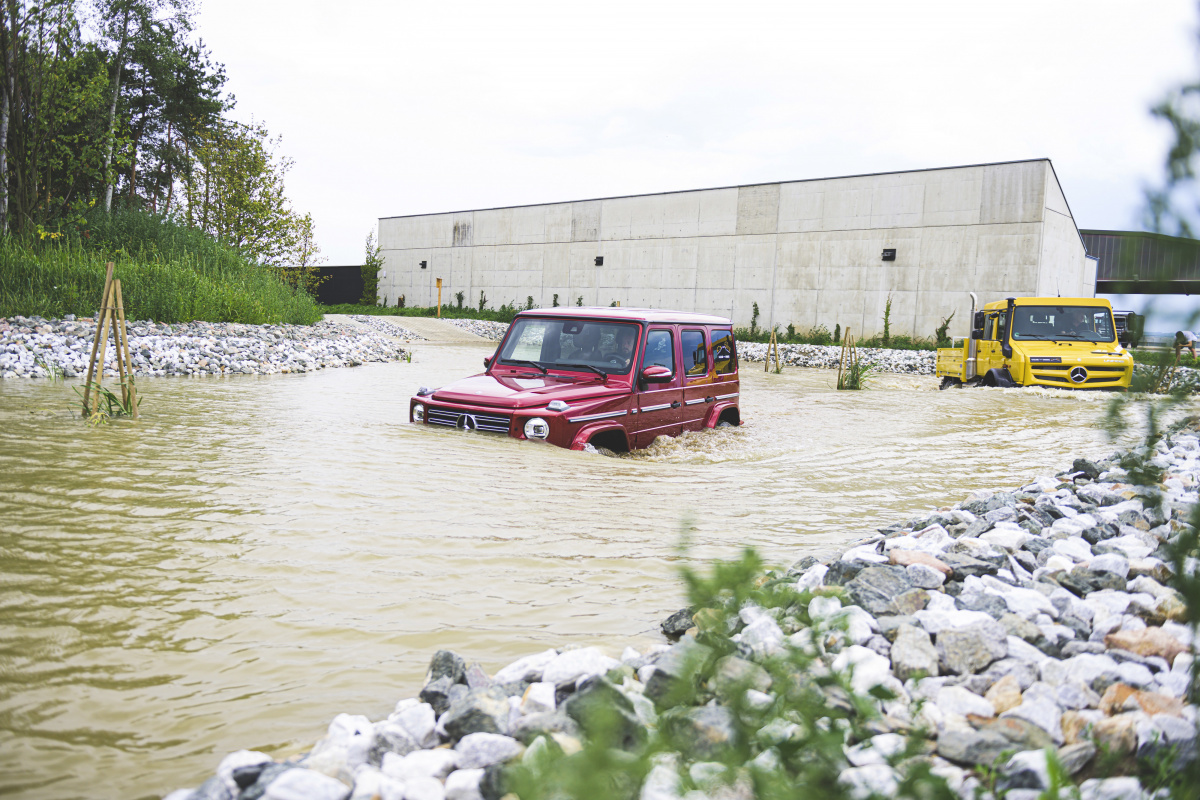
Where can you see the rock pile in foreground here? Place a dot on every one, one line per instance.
(1013, 625)
(39, 348)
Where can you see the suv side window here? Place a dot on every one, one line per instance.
(989, 327)
(660, 350)
(695, 354)
(724, 354)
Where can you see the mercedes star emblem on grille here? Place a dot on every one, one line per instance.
(1078, 375)
(467, 422)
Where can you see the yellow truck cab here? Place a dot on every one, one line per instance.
(1064, 342)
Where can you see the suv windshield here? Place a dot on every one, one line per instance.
(1062, 323)
(579, 344)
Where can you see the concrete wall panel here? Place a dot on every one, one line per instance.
(558, 223)
(897, 206)
(1055, 201)
(585, 221)
(718, 212)
(801, 207)
(461, 231)
(529, 225)
(1063, 266)
(1013, 192)
(493, 226)
(847, 208)
(757, 209)
(681, 214)
(953, 202)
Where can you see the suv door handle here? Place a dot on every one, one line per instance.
(676, 404)
(709, 399)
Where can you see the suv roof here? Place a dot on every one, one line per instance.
(628, 314)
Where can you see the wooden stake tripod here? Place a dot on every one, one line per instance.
(112, 315)
(772, 345)
(849, 358)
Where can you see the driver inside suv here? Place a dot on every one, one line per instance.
(626, 343)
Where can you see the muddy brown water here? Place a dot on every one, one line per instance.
(258, 554)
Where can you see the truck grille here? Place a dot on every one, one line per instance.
(468, 420)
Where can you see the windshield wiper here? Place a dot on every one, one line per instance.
(1077, 336)
(596, 370)
(533, 364)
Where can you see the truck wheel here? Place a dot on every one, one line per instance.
(950, 383)
(998, 377)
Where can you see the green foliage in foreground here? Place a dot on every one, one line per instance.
(791, 747)
(504, 314)
(167, 273)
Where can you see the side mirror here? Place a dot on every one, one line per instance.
(979, 317)
(657, 374)
(487, 362)
(977, 334)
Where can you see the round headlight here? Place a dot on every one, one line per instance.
(536, 428)
(418, 412)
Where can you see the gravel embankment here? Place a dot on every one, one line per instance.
(387, 328)
(37, 348)
(1024, 621)
(909, 362)
(482, 327)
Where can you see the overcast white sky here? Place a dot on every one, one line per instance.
(393, 108)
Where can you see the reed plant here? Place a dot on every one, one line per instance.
(856, 375)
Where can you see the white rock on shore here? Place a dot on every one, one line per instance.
(39, 348)
(481, 327)
(1033, 634)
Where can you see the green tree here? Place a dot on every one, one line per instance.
(50, 112)
(235, 192)
(372, 263)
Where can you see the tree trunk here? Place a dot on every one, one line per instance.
(112, 114)
(10, 24)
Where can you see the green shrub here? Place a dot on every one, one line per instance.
(941, 335)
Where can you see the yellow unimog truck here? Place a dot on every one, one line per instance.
(1064, 342)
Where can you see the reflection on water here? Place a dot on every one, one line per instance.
(258, 554)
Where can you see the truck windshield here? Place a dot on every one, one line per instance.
(1062, 323)
(577, 344)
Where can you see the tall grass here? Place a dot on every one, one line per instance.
(168, 274)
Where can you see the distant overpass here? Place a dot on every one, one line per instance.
(1134, 262)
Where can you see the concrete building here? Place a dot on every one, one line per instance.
(812, 252)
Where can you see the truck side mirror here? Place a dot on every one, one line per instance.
(977, 333)
(487, 362)
(657, 374)
(978, 321)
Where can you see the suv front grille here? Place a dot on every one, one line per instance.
(468, 420)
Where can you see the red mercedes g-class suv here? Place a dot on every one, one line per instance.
(610, 377)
